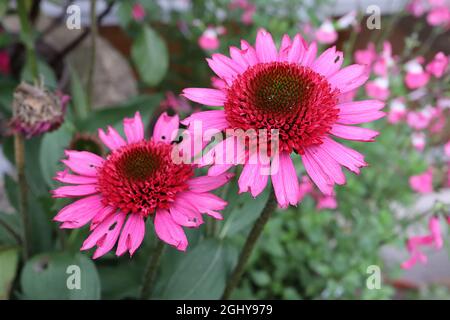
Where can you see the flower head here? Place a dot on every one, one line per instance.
(137, 181)
(138, 12)
(37, 110)
(290, 91)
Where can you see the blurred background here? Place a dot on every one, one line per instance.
(145, 52)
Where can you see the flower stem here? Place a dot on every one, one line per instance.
(19, 149)
(27, 38)
(249, 245)
(150, 270)
(93, 53)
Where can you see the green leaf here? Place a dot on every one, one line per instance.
(52, 151)
(79, 97)
(114, 115)
(45, 71)
(150, 56)
(9, 229)
(8, 267)
(199, 274)
(242, 210)
(52, 276)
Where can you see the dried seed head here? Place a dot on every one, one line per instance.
(36, 110)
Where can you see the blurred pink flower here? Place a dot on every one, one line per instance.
(385, 61)
(447, 149)
(209, 40)
(422, 183)
(176, 103)
(378, 88)
(326, 33)
(5, 66)
(138, 12)
(322, 201)
(416, 77)
(366, 56)
(419, 120)
(438, 65)
(397, 110)
(439, 16)
(248, 7)
(435, 230)
(418, 140)
(416, 7)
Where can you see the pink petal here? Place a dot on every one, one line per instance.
(329, 165)
(353, 133)
(112, 139)
(73, 210)
(169, 231)
(309, 55)
(347, 157)
(297, 50)
(75, 191)
(329, 62)
(134, 128)
(105, 235)
(209, 97)
(230, 63)
(132, 235)
(81, 216)
(166, 128)
(249, 53)
(317, 175)
(185, 214)
(104, 213)
(349, 78)
(206, 203)
(218, 169)
(266, 50)
(83, 162)
(360, 111)
(252, 180)
(285, 181)
(213, 119)
(284, 48)
(208, 183)
(65, 177)
(238, 57)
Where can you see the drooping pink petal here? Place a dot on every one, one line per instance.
(81, 216)
(185, 214)
(112, 139)
(65, 177)
(71, 211)
(353, 133)
(360, 111)
(104, 213)
(132, 235)
(253, 179)
(347, 157)
(204, 202)
(218, 169)
(209, 97)
(328, 164)
(285, 181)
(75, 191)
(265, 47)
(208, 183)
(105, 235)
(317, 175)
(169, 231)
(134, 128)
(222, 70)
(83, 162)
(349, 78)
(166, 128)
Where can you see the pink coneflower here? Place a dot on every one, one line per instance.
(366, 56)
(378, 88)
(292, 91)
(209, 39)
(397, 110)
(418, 141)
(137, 180)
(326, 33)
(416, 76)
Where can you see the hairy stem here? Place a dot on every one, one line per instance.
(150, 270)
(249, 245)
(27, 38)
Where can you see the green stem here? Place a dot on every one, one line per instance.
(249, 245)
(19, 150)
(27, 38)
(93, 53)
(150, 270)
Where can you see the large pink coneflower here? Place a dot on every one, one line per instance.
(293, 91)
(137, 181)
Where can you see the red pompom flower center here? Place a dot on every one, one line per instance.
(293, 99)
(140, 177)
